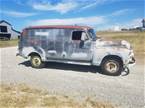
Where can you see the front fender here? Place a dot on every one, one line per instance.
(101, 53)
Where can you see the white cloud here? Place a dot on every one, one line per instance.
(133, 23)
(121, 12)
(92, 21)
(130, 24)
(17, 14)
(59, 7)
(20, 2)
(89, 6)
(127, 24)
(92, 4)
(67, 5)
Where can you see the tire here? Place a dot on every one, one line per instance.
(36, 61)
(112, 66)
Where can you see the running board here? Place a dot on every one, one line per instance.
(70, 62)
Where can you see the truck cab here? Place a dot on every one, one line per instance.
(75, 45)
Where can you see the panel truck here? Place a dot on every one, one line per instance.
(75, 45)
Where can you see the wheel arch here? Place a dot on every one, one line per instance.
(113, 57)
(117, 59)
(34, 53)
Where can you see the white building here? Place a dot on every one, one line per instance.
(7, 32)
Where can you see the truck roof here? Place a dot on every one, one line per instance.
(59, 27)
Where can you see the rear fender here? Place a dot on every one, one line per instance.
(27, 51)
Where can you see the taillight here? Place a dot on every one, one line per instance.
(24, 32)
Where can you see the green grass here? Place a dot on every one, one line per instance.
(136, 39)
(22, 96)
(8, 43)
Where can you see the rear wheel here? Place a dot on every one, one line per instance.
(36, 61)
(112, 66)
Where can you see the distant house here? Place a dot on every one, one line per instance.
(7, 32)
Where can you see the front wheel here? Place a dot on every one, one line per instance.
(36, 61)
(112, 66)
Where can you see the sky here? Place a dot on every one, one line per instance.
(100, 14)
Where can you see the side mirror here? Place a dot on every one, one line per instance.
(84, 36)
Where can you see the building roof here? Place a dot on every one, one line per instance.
(16, 31)
(59, 26)
(10, 25)
(5, 22)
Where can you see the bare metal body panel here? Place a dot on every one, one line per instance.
(58, 45)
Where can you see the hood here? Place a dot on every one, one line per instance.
(122, 43)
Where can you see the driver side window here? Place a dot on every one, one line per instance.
(79, 35)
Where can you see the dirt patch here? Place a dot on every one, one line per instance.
(21, 96)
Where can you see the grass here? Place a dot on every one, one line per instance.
(8, 43)
(136, 39)
(21, 96)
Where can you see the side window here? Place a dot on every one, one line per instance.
(76, 35)
(41, 32)
(79, 35)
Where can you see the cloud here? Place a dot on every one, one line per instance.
(88, 6)
(133, 23)
(130, 24)
(93, 3)
(66, 5)
(17, 14)
(20, 2)
(126, 24)
(62, 7)
(121, 12)
(92, 21)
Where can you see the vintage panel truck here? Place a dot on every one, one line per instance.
(76, 45)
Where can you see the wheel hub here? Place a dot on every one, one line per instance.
(36, 61)
(111, 67)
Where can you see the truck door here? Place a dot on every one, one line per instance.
(81, 46)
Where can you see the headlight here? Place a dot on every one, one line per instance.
(131, 54)
(126, 44)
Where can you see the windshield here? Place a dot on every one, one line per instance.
(92, 34)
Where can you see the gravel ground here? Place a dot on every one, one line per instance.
(77, 81)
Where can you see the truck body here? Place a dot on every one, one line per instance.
(76, 45)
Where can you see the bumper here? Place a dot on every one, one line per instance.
(131, 62)
(131, 59)
(17, 54)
